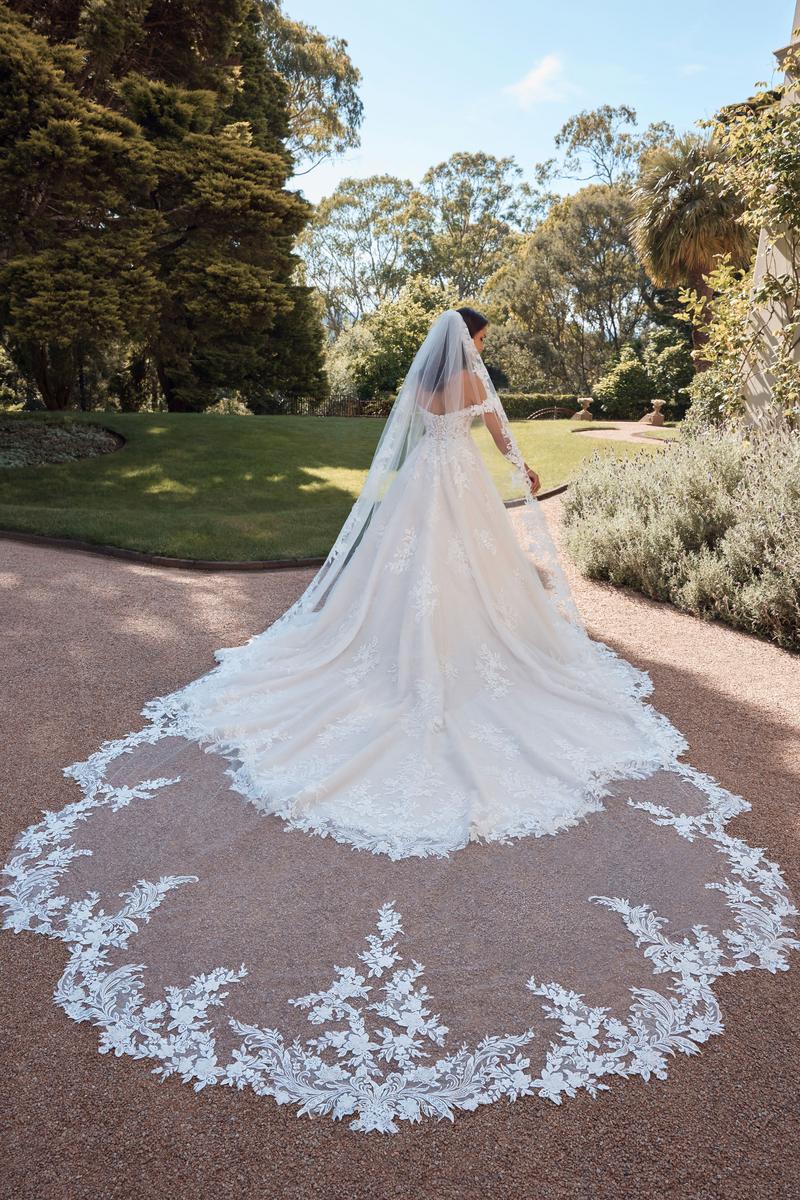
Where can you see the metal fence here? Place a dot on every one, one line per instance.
(353, 406)
(334, 406)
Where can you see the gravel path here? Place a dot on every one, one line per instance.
(87, 641)
(620, 431)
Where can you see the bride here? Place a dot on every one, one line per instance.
(492, 790)
(433, 685)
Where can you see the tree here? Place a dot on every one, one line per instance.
(603, 144)
(325, 111)
(374, 355)
(203, 218)
(225, 255)
(460, 219)
(754, 324)
(354, 247)
(295, 362)
(661, 368)
(685, 219)
(666, 354)
(75, 227)
(570, 295)
(597, 254)
(625, 389)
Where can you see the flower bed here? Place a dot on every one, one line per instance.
(32, 443)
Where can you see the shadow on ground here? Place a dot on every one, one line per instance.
(87, 642)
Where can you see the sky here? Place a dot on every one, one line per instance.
(503, 76)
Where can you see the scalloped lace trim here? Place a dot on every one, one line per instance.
(382, 1055)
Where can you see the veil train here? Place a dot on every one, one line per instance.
(500, 808)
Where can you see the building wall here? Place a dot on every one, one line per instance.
(778, 258)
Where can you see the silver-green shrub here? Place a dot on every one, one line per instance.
(712, 525)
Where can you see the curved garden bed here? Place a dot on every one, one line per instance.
(31, 442)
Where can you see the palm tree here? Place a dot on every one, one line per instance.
(684, 219)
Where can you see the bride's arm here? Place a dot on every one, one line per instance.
(492, 423)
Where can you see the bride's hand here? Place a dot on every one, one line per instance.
(535, 481)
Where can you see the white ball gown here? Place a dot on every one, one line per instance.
(530, 890)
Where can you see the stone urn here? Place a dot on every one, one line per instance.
(583, 413)
(656, 417)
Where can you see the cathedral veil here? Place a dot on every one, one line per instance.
(516, 887)
(447, 376)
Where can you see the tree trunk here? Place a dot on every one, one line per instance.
(699, 337)
(82, 382)
(54, 372)
(173, 402)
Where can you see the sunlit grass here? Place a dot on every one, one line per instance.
(232, 487)
(661, 433)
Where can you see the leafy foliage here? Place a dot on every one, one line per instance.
(15, 392)
(75, 227)
(662, 369)
(144, 147)
(666, 354)
(570, 296)
(712, 525)
(455, 228)
(754, 325)
(30, 442)
(624, 391)
(605, 145)
(373, 356)
(324, 108)
(461, 217)
(684, 218)
(729, 341)
(354, 248)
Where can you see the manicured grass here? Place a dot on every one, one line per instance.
(197, 486)
(662, 433)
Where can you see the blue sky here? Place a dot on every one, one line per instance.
(447, 75)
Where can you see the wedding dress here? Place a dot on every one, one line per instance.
(438, 694)
(432, 701)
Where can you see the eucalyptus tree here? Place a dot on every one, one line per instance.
(324, 107)
(462, 217)
(604, 144)
(571, 295)
(354, 247)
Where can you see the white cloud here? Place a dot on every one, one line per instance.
(545, 81)
(693, 69)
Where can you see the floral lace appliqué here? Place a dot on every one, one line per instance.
(493, 672)
(364, 661)
(425, 596)
(404, 553)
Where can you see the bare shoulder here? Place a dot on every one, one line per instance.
(474, 391)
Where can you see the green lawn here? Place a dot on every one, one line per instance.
(662, 433)
(196, 486)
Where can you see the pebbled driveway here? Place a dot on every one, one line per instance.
(87, 640)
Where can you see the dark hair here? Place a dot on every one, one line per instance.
(473, 320)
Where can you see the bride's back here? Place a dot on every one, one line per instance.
(461, 390)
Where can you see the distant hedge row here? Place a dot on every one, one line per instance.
(519, 405)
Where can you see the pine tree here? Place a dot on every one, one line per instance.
(192, 85)
(75, 231)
